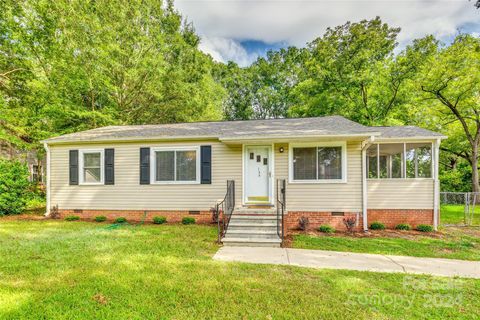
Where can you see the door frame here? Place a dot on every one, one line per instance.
(271, 165)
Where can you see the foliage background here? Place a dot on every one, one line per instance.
(67, 66)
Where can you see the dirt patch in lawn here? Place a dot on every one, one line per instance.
(23, 216)
(471, 231)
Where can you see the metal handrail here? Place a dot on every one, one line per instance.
(224, 209)
(281, 200)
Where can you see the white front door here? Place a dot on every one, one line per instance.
(257, 174)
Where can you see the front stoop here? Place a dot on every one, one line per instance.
(252, 227)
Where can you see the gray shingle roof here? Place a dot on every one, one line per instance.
(406, 132)
(248, 129)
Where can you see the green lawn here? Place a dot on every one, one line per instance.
(454, 214)
(454, 244)
(77, 270)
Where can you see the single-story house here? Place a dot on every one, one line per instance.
(325, 169)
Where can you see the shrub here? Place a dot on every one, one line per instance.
(159, 220)
(100, 218)
(14, 187)
(350, 223)
(215, 214)
(72, 218)
(54, 213)
(424, 228)
(403, 226)
(188, 220)
(120, 220)
(326, 229)
(303, 223)
(377, 226)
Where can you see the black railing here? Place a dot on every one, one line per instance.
(281, 198)
(225, 209)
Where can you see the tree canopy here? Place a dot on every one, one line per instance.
(67, 66)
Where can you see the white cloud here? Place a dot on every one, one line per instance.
(223, 50)
(298, 22)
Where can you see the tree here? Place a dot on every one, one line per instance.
(73, 65)
(450, 82)
(262, 90)
(352, 71)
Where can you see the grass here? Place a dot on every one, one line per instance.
(454, 244)
(454, 214)
(77, 270)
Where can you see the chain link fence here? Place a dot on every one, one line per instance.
(460, 208)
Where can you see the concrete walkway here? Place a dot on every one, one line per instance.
(350, 261)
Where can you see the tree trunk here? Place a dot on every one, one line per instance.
(475, 183)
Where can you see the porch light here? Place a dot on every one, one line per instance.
(281, 149)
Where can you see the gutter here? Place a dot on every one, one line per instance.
(48, 206)
(299, 137)
(365, 144)
(52, 141)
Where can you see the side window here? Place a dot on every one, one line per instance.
(91, 167)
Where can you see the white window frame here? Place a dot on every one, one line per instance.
(404, 161)
(81, 160)
(153, 164)
(342, 144)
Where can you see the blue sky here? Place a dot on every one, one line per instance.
(242, 30)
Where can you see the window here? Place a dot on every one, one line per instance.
(35, 176)
(419, 160)
(322, 163)
(372, 158)
(399, 160)
(178, 165)
(91, 166)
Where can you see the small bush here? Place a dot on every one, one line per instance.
(14, 187)
(54, 213)
(100, 218)
(159, 220)
(120, 220)
(377, 226)
(403, 226)
(72, 218)
(303, 223)
(424, 228)
(326, 229)
(350, 223)
(188, 220)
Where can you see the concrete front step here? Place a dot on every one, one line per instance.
(251, 242)
(256, 217)
(253, 228)
(251, 234)
(243, 211)
(252, 222)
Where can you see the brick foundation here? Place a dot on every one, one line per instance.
(391, 217)
(318, 218)
(203, 217)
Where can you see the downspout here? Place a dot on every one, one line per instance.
(436, 185)
(47, 149)
(365, 145)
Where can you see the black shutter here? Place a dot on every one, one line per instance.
(144, 165)
(206, 164)
(109, 166)
(73, 165)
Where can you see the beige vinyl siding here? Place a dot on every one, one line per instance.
(345, 197)
(400, 193)
(128, 194)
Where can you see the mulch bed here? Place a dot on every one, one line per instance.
(409, 235)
